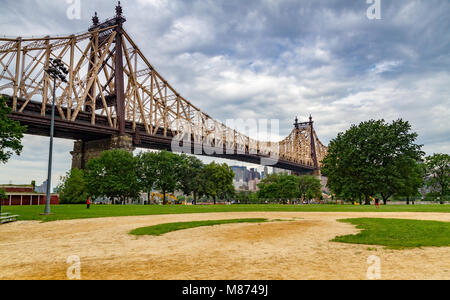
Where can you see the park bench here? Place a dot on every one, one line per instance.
(7, 218)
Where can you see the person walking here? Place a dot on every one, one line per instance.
(89, 203)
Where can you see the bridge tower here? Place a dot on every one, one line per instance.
(309, 127)
(85, 150)
(313, 149)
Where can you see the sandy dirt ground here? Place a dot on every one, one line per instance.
(296, 250)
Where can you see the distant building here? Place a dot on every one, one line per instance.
(240, 173)
(281, 171)
(246, 180)
(253, 185)
(42, 188)
(25, 195)
(324, 182)
(265, 173)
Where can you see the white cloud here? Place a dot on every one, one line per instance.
(186, 33)
(385, 66)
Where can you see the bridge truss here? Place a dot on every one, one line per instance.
(113, 89)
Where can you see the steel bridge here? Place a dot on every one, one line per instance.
(114, 98)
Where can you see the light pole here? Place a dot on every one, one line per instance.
(56, 70)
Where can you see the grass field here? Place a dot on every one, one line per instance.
(161, 229)
(69, 212)
(398, 234)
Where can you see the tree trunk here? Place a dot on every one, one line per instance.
(385, 198)
(164, 198)
(360, 200)
(367, 202)
(195, 198)
(215, 200)
(149, 195)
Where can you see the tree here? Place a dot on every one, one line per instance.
(309, 187)
(369, 158)
(11, 133)
(113, 175)
(191, 176)
(217, 181)
(252, 197)
(287, 186)
(167, 172)
(399, 162)
(411, 181)
(147, 172)
(269, 188)
(73, 188)
(438, 174)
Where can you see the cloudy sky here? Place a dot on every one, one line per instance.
(271, 59)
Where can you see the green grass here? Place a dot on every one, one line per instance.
(161, 229)
(69, 212)
(398, 234)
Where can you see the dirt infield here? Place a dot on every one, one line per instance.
(298, 249)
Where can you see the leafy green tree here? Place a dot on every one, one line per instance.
(399, 160)
(167, 172)
(269, 187)
(411, 180)
(191, 176)
(253, 197)
(368, 159)
(309, 187)
(242, 197)
(281, 187)
(438, 174)
(147, 163)
(11, 133)
(73, 188)
(114, 175)
(287, 186)
(217, 181)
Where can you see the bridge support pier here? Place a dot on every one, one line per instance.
(83, 151)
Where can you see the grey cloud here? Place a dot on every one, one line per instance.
(278, 59)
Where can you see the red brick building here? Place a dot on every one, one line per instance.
(25, 195)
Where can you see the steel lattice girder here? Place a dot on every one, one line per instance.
(150, 102)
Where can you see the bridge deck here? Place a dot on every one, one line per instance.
(82, 129)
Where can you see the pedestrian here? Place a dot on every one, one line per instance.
(377, 202)
(89, 203)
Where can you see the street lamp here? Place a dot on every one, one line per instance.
(56, 70)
